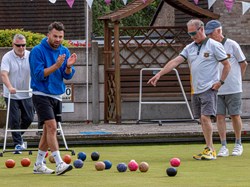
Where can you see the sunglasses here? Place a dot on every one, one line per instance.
(19, 45)
(194, 32)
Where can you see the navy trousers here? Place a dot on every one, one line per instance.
(21, 115)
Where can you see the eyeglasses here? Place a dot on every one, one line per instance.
(19, 45)
(194, 32)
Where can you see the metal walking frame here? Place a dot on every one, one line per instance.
(59, 129)
(168, 102)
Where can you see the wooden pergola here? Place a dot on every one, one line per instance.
(113, 44)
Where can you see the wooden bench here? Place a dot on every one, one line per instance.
(167, 89)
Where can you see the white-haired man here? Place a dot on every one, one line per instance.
(229, 94)
(15, 74)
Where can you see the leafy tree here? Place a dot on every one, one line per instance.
(141, 18)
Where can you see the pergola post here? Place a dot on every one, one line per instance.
(106, 66)
(112, 63)
(117, 73)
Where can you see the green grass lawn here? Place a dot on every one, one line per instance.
(229, 171)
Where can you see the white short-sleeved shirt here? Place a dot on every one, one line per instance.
(19, 73)
(233, 82)
(203, 62)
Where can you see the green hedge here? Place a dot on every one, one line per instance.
(32, 39)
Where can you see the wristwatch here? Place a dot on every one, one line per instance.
(222, 82)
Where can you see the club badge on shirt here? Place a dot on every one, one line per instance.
(206, 55)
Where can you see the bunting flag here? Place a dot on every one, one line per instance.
(210, 3)
(229, 4)
(52, 1)
(90, 2)
(70, 3)
(196, 2)
(245, 7)
(108, 2)
(124, 2)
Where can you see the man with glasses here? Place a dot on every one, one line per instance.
(229, 95)
(15, 74)
(203, 56)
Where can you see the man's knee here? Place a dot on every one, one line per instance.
(51, 126)
(205, 119)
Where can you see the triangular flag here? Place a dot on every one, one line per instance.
(124, 2)
(210, 3)
(229, 4)
(52, 1)
(70, 3)
(245, 7)
(196, 2)
(107, 2)
(90, 2)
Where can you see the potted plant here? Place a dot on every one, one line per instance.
(3, 111)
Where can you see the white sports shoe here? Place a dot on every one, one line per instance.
(19, 148)
(238, 150)
(223, 152)
(42, 169)
(24, 145)
(63, 168)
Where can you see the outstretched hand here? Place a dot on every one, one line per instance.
(154, 80)
(71, 60)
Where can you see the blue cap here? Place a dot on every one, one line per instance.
(211, 25)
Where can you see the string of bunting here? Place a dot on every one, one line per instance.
(228, 3)
(90, 2)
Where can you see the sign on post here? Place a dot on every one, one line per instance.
(67, 96)
(67, 99)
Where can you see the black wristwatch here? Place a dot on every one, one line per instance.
(222, 82)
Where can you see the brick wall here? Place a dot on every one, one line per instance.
(235, 25)
(36, 15)
(166, 16)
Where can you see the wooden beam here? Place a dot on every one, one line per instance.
(137, 5)
(126, 11)
(192, 9)
(199, 10)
